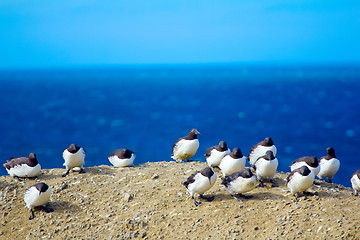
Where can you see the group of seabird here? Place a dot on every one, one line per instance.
(238, 180)
(38, 195)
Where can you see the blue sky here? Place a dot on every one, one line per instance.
(80, 33)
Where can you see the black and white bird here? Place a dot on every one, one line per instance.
(260, 149)
(37, 195)
(122, 157)
(240, 182)
(299, 180)
(185, 148)
(215, 154)
(23, 167)
(311, 162)
(233, 162)
(74, 157)
(355, 181)
(329, 165)
(199, 182)
(266, 167)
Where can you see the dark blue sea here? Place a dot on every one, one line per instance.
(146, 108)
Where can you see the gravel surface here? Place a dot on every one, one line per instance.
(148, 201)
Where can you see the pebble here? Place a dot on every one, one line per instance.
(127, 197)
(63, 186)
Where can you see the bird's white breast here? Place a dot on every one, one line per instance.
(215, 157)
(355, 182)
(201, 184)
(74, 159)
(242, 185)
(33, 199)
(229, 165)
(328, 168)
(299, 183)
(118, 162)
(185, 149)
(265, 168)
(24, 170)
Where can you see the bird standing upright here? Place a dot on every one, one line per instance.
(185, 148)
(74, 158)
(199, 182)
(329, 165)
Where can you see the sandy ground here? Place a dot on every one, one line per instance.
(148, 201)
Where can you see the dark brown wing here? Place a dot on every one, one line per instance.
(208, 151)
(16, 162)
(232, 177)
(115, 152)
(253, 148)
(357, 172)
(323, 158)
(190, 179)
(291, 175)
(176, 143)
(302, 159)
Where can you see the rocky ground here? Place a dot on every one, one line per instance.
(148, 201)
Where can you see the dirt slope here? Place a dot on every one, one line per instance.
(148, 201)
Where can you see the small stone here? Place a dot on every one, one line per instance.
(127, 197)
(63, 186)
(155, 176)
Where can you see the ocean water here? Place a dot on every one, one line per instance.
(304, 109)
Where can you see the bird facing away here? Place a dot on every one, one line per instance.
(329, 165)
(23, 167)
(185, 148)
(260, 149)
(74, 158)
(37, 195)
(199, 182)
